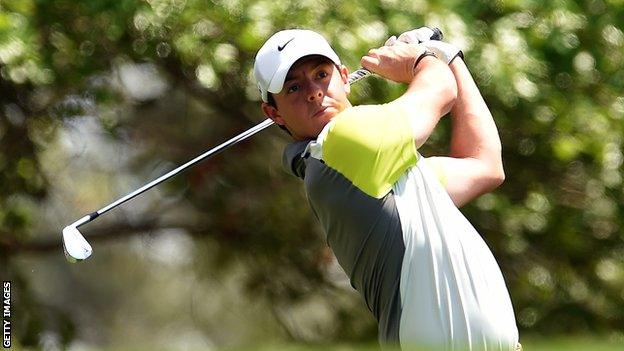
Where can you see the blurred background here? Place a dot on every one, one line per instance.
(98, 97)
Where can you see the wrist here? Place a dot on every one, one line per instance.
(460, 55)
(444, 51)
(421, 61)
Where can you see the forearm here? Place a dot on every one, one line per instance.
(430, 95)
(474, 133)
(434, 80)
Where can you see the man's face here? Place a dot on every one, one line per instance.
(315, 91)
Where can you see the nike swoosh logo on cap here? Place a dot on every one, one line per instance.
(280, 48)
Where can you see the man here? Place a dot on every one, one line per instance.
(390, 215)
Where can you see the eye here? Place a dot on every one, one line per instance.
(293, 88)
(322, 74)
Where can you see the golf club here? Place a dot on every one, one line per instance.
(77, 248)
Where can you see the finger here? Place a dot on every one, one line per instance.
(369, 62)
(423, 33)
(374, 52)
(416, 35)
(398, 45)
(407, 38)
(390, 41)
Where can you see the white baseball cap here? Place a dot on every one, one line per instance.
(281, 51)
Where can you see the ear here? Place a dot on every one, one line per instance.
(272, 113)
(344, 74)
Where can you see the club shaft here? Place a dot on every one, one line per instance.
(242, 136)
(353, 77)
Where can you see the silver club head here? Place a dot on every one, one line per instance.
(75, 245)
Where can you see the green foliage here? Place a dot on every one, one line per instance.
(159, 81)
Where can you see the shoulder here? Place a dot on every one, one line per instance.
(368, 126)
(363, 116)
(371, 145)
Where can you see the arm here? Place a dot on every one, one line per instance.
(474, 165)
(432, 88)
(373, 145)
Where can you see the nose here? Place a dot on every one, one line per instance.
(315, 92)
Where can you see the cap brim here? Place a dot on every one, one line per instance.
(277, 82)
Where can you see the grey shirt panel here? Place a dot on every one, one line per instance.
(363, 232)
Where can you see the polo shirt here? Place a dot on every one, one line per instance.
(422, 269)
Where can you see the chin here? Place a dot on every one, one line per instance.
(320, 126)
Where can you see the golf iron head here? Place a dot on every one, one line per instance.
(75, 246)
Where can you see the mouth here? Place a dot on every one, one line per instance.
(320, 112)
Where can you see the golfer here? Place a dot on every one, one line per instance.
(391, 215)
